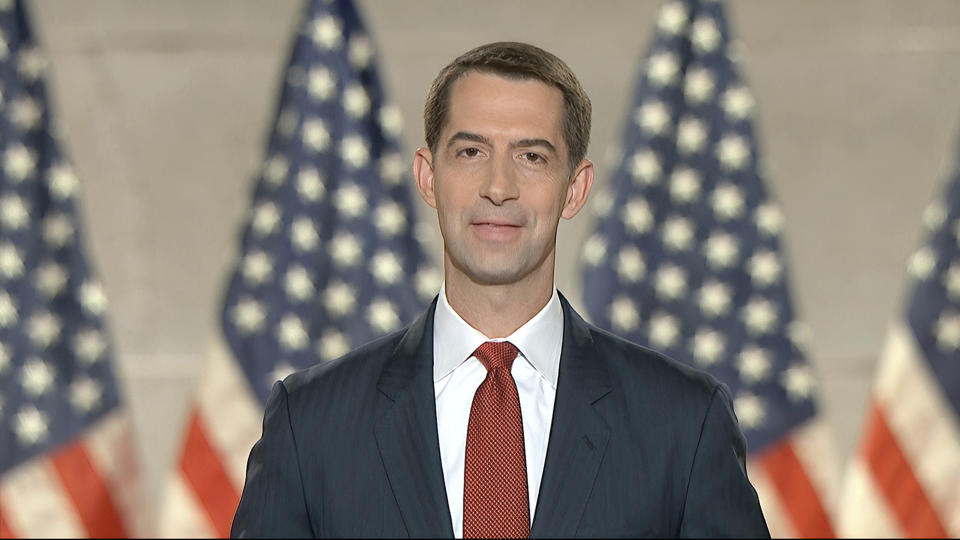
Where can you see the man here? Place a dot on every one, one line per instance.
(500, 412)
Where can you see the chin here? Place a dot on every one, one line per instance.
(504, 267)
(489, 274)
(490, 278)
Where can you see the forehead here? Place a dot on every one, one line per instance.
(492, 104)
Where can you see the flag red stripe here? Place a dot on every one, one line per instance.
(87, 491)
(5, 530)
(204, 472)
(895, 479)
(800, 498)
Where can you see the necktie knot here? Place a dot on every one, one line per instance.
(496, 354)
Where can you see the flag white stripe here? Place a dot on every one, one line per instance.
(182, 515)
(923, 422)
(112, 453)
(813, 445)
(865, 513)
(231, 414)
(36, 505)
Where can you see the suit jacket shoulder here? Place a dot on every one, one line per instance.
(349, 447)
(647, 379)
(639, 365)
(347, 374)
(641, 445)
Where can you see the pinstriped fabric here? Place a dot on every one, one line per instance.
(495, 502)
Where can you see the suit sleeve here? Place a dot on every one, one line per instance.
(720, 501)
(273, 503)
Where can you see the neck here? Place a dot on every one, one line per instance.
(497, 310)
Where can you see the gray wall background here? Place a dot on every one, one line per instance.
(165, 107)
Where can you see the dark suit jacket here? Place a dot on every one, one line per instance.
(640, 446)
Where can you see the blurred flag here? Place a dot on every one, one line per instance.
(904, 479)
(686, 258)
(66, 454)
(329, 259)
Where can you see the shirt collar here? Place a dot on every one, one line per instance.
(539, 340)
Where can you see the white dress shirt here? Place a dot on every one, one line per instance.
(457, 374)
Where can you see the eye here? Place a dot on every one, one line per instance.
(470, 152)
(532, 157)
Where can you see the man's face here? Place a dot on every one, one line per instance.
(500, 180)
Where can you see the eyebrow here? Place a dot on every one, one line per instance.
(523, 143)
(467, 136)
(475, 137)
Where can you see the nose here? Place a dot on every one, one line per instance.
(501, 183)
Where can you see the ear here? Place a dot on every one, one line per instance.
(580, 183)
(423, 174)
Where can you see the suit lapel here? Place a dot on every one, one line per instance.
(406, 432)
(578, 436)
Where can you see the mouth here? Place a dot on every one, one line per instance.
(495, 229)
(495, 222)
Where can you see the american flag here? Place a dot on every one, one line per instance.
(66, 455)
(686, 258)
(904, 479)
(329, 258)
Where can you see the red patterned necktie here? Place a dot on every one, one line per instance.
(495, 503)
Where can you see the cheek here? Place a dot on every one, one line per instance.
(454, 195)
(449, 210)
(546, 204)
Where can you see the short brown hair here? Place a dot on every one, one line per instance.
(517, 61)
